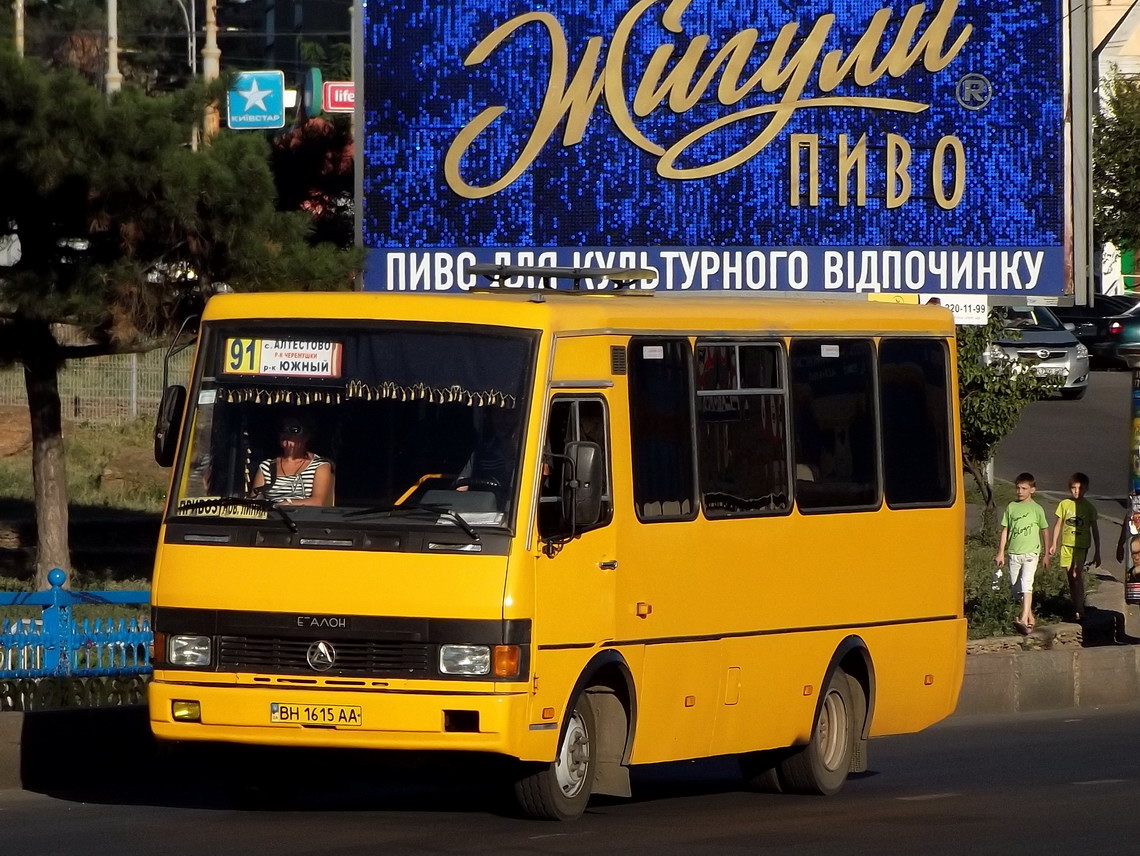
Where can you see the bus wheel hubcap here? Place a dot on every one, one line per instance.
(832, 731)
(573, 758)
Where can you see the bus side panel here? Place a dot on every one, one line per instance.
(678, 700)
(918, 673)
(769, 689)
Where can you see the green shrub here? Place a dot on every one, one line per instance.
(991, 613)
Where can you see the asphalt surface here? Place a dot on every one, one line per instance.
(1057, 437)
(1046, 783)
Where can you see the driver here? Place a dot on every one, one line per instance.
(492, 460)
(297, 476)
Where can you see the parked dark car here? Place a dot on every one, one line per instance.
(1125, 331)
(1097, 327)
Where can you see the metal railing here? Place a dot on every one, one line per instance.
(56, 645)
(113, 389)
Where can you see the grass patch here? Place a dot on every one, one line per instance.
(107, 466)
(1003, 492)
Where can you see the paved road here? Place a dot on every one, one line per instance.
(1055, 783)
(1056, 437)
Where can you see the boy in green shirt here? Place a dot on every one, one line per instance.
(1075, 529)
(1023, 528)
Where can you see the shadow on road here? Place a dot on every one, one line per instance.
(106, 756)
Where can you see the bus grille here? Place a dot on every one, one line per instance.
(268, 654)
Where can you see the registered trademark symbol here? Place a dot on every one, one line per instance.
(974, 91)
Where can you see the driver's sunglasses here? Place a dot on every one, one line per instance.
(291, 429)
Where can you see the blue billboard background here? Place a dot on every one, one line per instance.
(1000, 96)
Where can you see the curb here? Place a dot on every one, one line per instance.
(1059, 679)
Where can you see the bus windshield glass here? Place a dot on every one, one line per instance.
(357, 424)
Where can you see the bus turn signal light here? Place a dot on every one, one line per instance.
(505, 661)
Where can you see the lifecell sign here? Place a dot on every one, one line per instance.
(828, 146)
(338, 96)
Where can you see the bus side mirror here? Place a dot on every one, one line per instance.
(167, 423)
(582, 493)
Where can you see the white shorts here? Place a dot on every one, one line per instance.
(1022, 569)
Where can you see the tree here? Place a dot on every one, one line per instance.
(313, 172)
(1116, 165)
(117, 228)
(335, 62)
(992, 392)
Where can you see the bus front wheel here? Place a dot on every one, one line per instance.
(822, 765)
(561, 789)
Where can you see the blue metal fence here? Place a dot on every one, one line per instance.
(56, 645)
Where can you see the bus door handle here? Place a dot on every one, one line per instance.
(608, 565)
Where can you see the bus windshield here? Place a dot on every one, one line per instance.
(356, 423)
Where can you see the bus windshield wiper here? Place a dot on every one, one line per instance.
(442, 510)
(245, 501)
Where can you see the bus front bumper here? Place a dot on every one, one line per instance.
(273, 716)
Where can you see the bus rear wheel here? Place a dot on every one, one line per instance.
(822, 765)
(561, 789)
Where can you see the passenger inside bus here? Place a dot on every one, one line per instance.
(297, 475)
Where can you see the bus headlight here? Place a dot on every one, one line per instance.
(464, 659)
(501, 661)
(188, 650)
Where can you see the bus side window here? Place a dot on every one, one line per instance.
(833, 396)
(742, 439)
(913, 384)
(661, 429)
(571, 419)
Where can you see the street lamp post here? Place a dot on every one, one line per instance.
(191, 35)
(113, 79)
(211, 68)
(18, 8)
(211, 56)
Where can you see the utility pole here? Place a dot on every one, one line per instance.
(113, 79)
(18, 8)
(211, 66)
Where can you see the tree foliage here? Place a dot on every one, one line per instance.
(313, 172)
(992, 392)
(116, 226)
(334, 61)
(1116, 162)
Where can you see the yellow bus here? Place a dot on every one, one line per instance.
(582, 530)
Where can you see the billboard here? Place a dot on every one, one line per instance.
(827, 146)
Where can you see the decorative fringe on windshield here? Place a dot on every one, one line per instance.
(246, 394)
(423, 392)
(367, 392)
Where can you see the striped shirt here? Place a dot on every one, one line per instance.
(299, 486)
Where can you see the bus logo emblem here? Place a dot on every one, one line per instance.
(321, 656)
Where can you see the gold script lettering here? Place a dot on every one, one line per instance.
(786, 69)
(575, 102)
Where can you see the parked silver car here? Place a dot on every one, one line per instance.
(1038, 339)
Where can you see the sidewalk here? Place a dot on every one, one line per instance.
(1062, 665)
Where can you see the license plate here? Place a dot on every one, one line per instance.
(335, 715)
(1048, 371)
